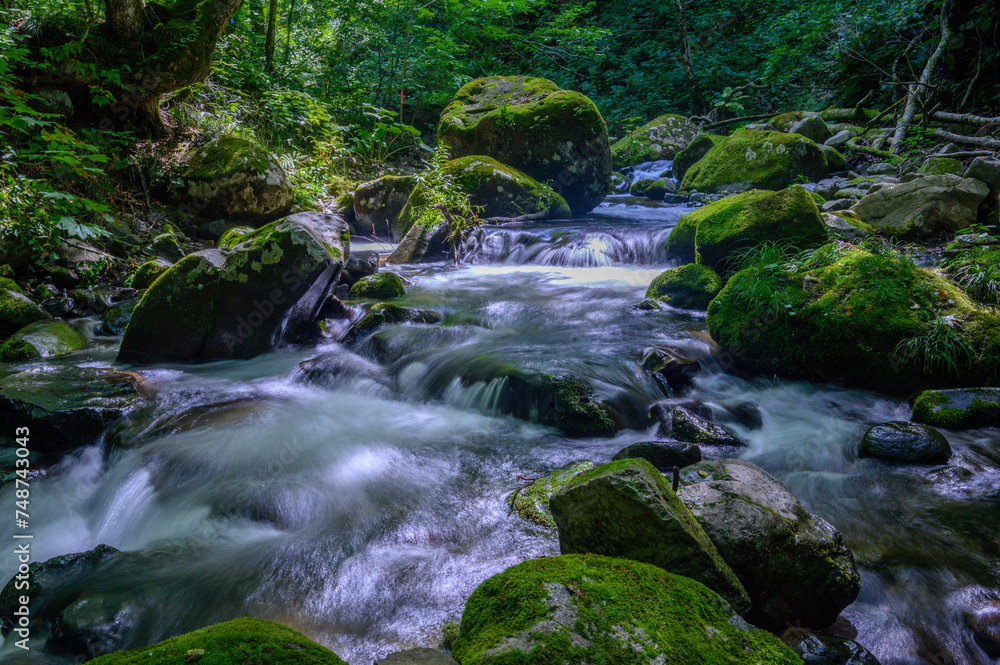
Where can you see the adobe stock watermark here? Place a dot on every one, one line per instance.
(21, 620)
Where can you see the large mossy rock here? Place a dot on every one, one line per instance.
(658, 139)
(242, 303)
(923, 205)
(958, 409)
(240, 641)
(532, 502)
(695, 150)
(377, 205)
(234, 179)
(852, 316)
(753, 159)
(65, 406)
(586, 609)
(17, 311)
(795, 566)
(716, 233)
(146, 274)
(627, 509)
(691, 286)
(41, 339)
(557, 137)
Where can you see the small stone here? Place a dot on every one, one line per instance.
(664, 456)
(905, 442)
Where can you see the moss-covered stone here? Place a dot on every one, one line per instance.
(236, 642)
(857, 317)
(532, 502)
(17, 311)
(714, 234)
(695, 150)
(661, 138)
(387, 314)
(116, 319)
(958, 409)
(556, 136)
(626, 508)
(41, 339)
(923, 205)
(377, 206)
(234, 236)
(234, 179)
(938, 165)
(380, 286)
(751, 159)
(691, 286)
(577, 609)
(652, 189)
(784, 121)
(146, 274)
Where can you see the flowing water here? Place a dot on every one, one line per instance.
(364, 511)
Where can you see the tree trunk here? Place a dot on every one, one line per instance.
(288, 32)
(272, 19)
(697, 99)
(916, 90)
(124, 20)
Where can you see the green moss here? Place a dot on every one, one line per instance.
(784, 121)
(45, 338)
(690, 155)
(939, 409)
(691, 286)
(16, 350)
(225, 156)
(661, 138)
(752, 159)
(941, 166)
(17, 311)
(625, 611)
(532, 502)
(147, 273)
(238, 642)
(234, 236)
(819, 200)
(381, 286)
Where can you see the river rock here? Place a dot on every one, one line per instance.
(553, 135)
(243, 640)
(813, 128)
(386, 314)
(418, 656)
(695, 150)
(658, 139)
(147, 273)
(676, 370)
(883, 168)
(840, 139)
(96, 625)
(532, 501)
(664, 456)
(595, 609)
(960, 408)
(821, 649)
(691, 286)
(338, 368)
(41, 339)
(985, 169)
(377, 205)
(656, 190)
(924, 205)
(380, 286)
(361, 264)
(795, 566)
(116, 319)
(686, 425)
(627, 509)
(422, 243)
(65, 406)
(17, 311)
(938, 165)
(984, 622)
(751, 159)
(905, 442)
(718, 231)
(234, 179)
(243, 303)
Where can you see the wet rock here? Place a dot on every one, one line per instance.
(691, 286)
(676, 370)
(96, 625)
(661, 138)
(532, 502)
(361, 264)
(563, 401)
(385, 314)
(337, 369)
(41, 339)
(117, 317)
(380, 286)
(63, 278)
(147, 273)
(685, 425)
(984, 622)
(533, 126)
(377, 205)
(17, 311)
(795, 566)
(595, 609)
(422, 244)
(89, 302)
(821, 649)
(664, 456)
(418, 656)
(267, 289)
(924, 205)
(905, 442)
(627, 509)
(949, 474)
(65, 406)
(961, 408)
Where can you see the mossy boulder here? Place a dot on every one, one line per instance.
(900, 441)
(235, 642)
(532, 502)
(66, 406)
(958, 409)
(658, 139)
(557, 137)
(380, 286)
(234, 179)
(784, 121)
(41, 339)
(233, 236)
(870, 319)
(268, 288)
(795, 566)
(941, 165)
(752, 159)
(716, 233)
(691, 286)
(116, 319)
(582, 609)
(923, 205)
(146, 274)
(387, 314)
(652, 189)
(695, 150)
(627, 509)
(17, 310)
(503, 191)
(377, 205)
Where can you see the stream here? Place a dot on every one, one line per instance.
(364, 515)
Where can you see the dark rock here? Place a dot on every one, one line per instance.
(64, 278)
(41, 339)
(821, 649)
(117, 317)
(961, 408)
(747, 414)
(336, 369)
(664, 456)
(377, 205)
(673, 368)
(385, 314)
(17, 311)
(905, 442)
(96, 625)
(418, 656)
(685, 425)
(361, 264)
(984, 622)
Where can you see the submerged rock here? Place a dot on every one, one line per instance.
(577, 609)
(268, 288)
(958, 409)
(686, 425)
(821, 649)
(669, 366)
(905, 442)
(691, 286)
(335, 369)
(97, 624)
(385, 314)
(795, 566)
(627, 509)
(664, 456)
(661, 138)
(528, 123)
(41, 339)
(532, 502)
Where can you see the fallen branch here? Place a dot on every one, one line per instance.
(733, 121)
(981, 141)
(867, 150)
(963, 155)
(886, 111)
(542, 214)
(964, 118)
